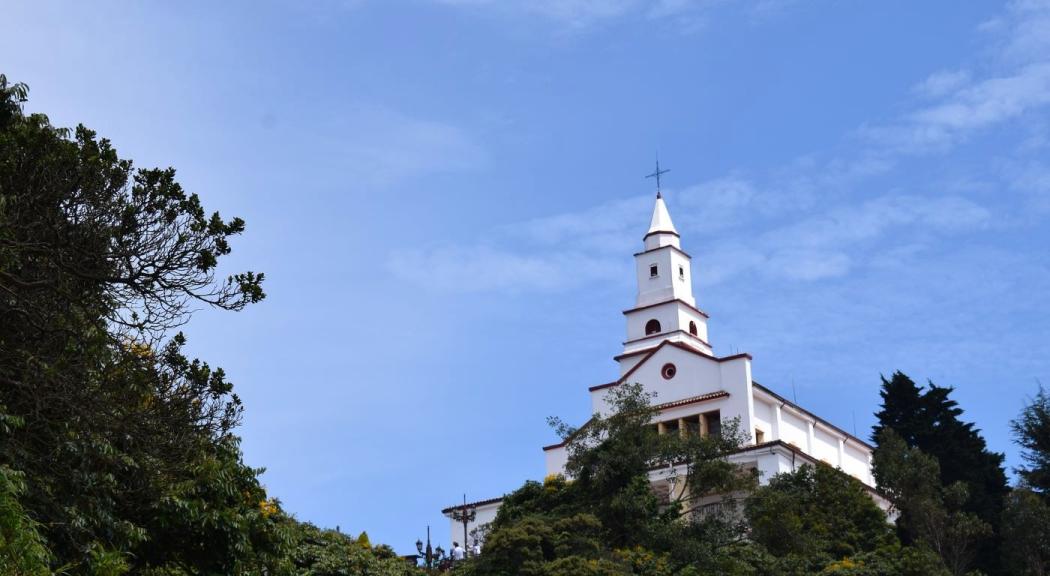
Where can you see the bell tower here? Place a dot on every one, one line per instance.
(665, 308)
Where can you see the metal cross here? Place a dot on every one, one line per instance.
(656, 175)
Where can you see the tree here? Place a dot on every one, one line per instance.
(22, 548)
(1026, 533)
(318, 552)
(928, 419)
(1032, 431)
(127, 451)
(1026, 519)
(608, 519)
(816, 516)
(930, 514)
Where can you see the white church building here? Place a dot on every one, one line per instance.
(667, 351)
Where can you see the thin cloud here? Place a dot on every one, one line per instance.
(575, 13)
(796, 224)
(378, 146)
(574, 250)
(974, 107)
(584, 13)
(942, 83)
(962, 105)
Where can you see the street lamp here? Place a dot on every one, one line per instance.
(464, 516)
(429, 555)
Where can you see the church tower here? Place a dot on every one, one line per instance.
(693, 391)
(665, 308)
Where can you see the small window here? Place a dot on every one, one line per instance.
(671, 427)
(668, 371)
(760, 436)
(713, 423)
(652, 327)
(692, 425)
(692, 328)
(654, 271)
(681, 272)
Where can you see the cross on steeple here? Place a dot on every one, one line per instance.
(656, 174)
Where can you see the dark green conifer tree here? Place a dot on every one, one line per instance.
(1032, 432)
(930, 420)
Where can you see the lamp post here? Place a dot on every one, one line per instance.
(429, 555)
(464, 516)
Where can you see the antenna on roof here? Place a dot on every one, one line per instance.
(854, 422)
(794, 395)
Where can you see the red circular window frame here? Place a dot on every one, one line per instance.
(668, 371)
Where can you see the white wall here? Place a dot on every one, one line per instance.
(793, 429)
(763, 418)
(555, 459)
(668, 284)
(483, 515)
(827, 443)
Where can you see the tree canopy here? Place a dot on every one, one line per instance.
(608, 519)
(930, 420)
(118, 452)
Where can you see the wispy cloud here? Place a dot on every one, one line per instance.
(584, 13)
(571, 12)
(963, 102)
(489, 269)
(942, 83)
(970, 107)
(378, 145)
(803, 222)
(576, 249)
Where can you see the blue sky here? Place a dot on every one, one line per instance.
(445, 197)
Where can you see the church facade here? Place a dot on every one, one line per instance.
(667, 352)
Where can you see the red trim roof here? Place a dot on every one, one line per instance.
(672, 232)
(571, 436)
(472, 504)
(693, 400)
(686, 304)
(811, 415)
(675, 248)
(659, 334)
(649, 353)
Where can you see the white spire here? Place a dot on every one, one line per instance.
(665, 308)
(661, 230)
(661, 221)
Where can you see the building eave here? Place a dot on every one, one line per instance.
(717, 395)
(477, 504)
(676, 345)
(672, 247)
(655, 232)
(785, 401)
(683, 302)
(571, 436)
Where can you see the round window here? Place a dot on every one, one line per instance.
(668, 371)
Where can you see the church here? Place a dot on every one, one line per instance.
(668, 352)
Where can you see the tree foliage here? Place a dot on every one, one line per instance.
(817, 513)
(319, 552)
(124, 455)
(930, 514)
(608, 520)
(1032, 432)
(1026, 533)
(118, 453)
(1026, 518)
(930, 420)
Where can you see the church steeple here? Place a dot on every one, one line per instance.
(661, 230)
(665, 308)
